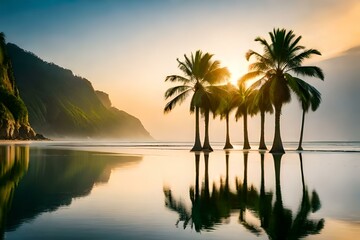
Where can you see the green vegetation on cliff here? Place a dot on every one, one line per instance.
(14, 122)
(61, 104)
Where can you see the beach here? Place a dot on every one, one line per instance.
(119, 190)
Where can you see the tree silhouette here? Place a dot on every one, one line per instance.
(245, 98)
(261, 103)
(308, 96)
(228, 103)
(200, 73)
(281, 57)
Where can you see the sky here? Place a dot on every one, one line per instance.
(127, 48)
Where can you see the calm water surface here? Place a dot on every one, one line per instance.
(109, 190)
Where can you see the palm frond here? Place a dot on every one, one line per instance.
(199, 98)
(315, 99)
(298, 59)
(228, 100)
(176, 90)
(184, 67)
(314, 95)
(257, 84)
(293, 45)
(258, 66)
(205, 65)
(296, 86)
(176, 101)
(253, 53)
(177, 78)
(250, 75)
(263, 98)
(195, 63)
(308, 95)
(268, 51)
(217, 76)
(308, 71)
(238, 114)
(251, 100)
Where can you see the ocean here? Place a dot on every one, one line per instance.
(161, 190)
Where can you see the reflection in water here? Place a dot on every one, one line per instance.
(14, 162)
(53, 178)
(209, 209)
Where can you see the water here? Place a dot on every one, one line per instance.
(118, 190)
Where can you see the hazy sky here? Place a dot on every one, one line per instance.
(127, 48)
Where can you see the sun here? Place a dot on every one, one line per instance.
(237, 68)
(234, 81)
(236, 73)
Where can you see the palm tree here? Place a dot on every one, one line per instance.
(200, 72)
(261, 103)
(210, 103)
(244, 99)
(309, 97)
(281, 58)
(228, 103)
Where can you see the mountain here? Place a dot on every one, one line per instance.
(338, 114)
(61, 104)
(14, 123)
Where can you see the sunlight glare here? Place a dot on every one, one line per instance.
(236, 73)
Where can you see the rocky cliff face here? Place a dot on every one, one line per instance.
(104, 98)
(63, 105)
(14, 122)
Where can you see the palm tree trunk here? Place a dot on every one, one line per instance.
(279, 216)
(302, 172)
(207, 147)
(244, 190)
(197, 186)
(277, 146)
(246, 138)
(277, 167)
(262, 144)
(207, 189)
(227, 143)
(246, 154)
(197, 144)
(263, 206)
(227, 171)
(302, 132)
(262, 185)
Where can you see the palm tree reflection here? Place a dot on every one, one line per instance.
(302, 226)
(211, 208)
(265, 199)
(248, 199)
(207, 209)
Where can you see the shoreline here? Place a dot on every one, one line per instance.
(111, 145)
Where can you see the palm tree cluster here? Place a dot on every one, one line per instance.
(275, 74)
